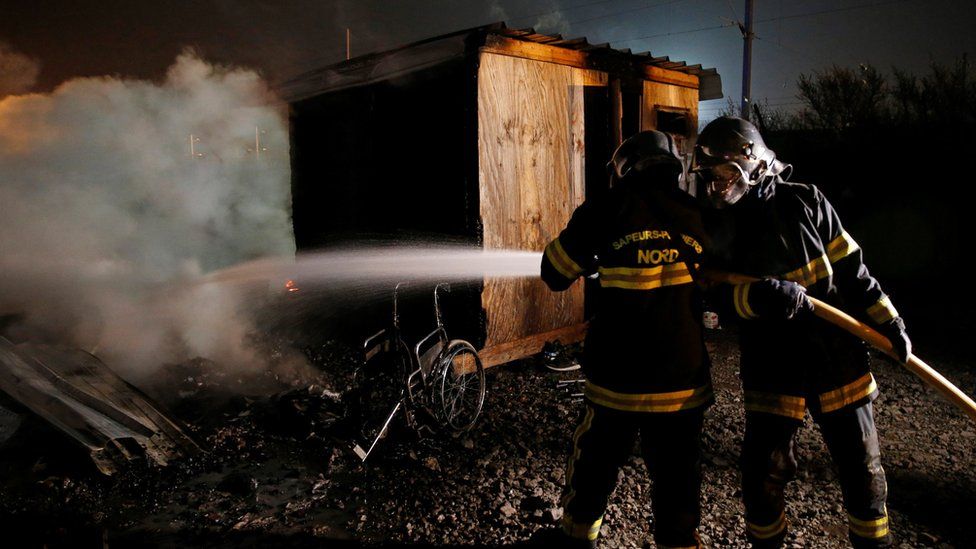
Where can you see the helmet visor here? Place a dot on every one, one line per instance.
(724, 183)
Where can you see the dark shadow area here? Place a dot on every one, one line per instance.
(386, 163)
(910, 217)
(942, 507)
(887, 148)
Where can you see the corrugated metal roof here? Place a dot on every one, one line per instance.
(432, 51)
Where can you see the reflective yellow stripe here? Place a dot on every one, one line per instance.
(841, 247)
(582, 530)
(766, 532)
(561, 260)
(882, 311)
(630, 278)
(809, 274)
(773, 403)
(584, 426)
(848, 394)
(871, 529)
(644, 272)
(648, 402)
(740, 298)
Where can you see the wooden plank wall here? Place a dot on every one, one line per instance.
(531, 171)
(673, 98)
(657, 95)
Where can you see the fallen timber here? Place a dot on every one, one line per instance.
(80, 396)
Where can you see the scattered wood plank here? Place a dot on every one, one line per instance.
(527, 346)
(80, 396)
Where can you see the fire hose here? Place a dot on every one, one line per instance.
(867, 334)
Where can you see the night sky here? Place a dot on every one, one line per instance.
(142, 38)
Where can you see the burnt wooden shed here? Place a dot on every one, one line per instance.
(490, 136)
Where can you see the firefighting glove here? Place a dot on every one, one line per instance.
(778, 299)
(894, 330)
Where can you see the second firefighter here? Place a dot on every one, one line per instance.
(645, 363)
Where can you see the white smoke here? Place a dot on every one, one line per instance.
(497, 12)
(106, 218)
(18, 72)
(551, 20)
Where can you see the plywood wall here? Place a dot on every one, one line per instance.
(669, 96)
(531, 170)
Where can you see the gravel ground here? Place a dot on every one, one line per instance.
(278, 472)
(509, 481)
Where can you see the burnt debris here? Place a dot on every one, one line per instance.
(82, 398)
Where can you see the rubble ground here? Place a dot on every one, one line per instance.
(278, 472)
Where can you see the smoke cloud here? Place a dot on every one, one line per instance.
(18, 72)
(552, 22)
(107, 219)
(497, 12)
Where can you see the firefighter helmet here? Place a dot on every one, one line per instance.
(639, 152)
(730, 157)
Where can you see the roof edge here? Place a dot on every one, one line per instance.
(430, 52)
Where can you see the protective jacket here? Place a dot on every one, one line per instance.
(644, 350)
(790, 231)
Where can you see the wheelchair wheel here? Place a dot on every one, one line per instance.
(459, 387)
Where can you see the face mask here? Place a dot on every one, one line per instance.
(723, 184)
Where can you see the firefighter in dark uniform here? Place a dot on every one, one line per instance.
(644, 359)
(789, 236)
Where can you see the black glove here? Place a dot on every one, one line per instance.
(778, 299)
(894, 330)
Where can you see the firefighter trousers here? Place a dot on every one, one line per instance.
(768, 464)
(671, 448)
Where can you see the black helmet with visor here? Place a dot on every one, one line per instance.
(730, 158)
(646, 152)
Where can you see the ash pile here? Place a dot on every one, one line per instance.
(276, 467)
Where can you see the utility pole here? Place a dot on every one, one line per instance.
(745, 110)
(348, 43)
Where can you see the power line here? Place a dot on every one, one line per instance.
(318, 59)
(729, 24)
(583, 5)
(689, 31)
(790, 50)
(707, 28)
(642, 8)
(779, 98)
(735, 16)
(794, 16)
(771, 101)
(835, 10)
(577, 6)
